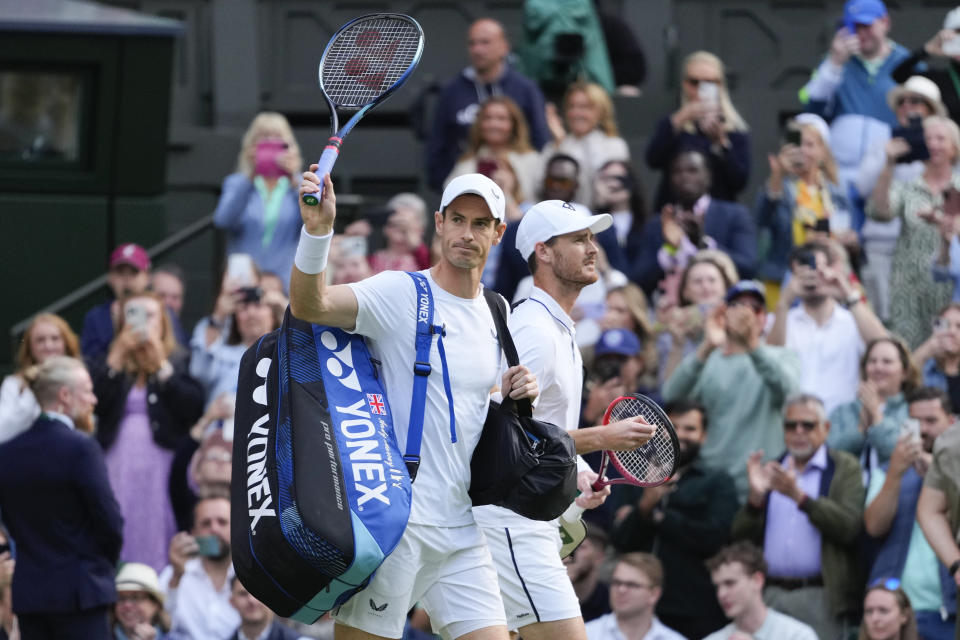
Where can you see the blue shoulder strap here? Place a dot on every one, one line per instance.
(421, 369)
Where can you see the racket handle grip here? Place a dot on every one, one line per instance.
(573, 513)
(326, 162)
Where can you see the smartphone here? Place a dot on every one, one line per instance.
(486, 167)
(793, 136)
(822, 225)
(265, 158)
(913, 134)
(209, 546)
(241, 270)
(353, 246)
(135, 317)
(912, 427)
(708, 92)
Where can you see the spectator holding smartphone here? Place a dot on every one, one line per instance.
(500, 135)
(240, 316)
(919, 204)
(802, 197)
(196, 583)
(912, 102)
(258, 206)
(405, 250)
(147, 403)
(946, 265)
(708, 122)
(939, 355)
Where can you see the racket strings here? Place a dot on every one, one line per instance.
(367, 59)
(655, 460)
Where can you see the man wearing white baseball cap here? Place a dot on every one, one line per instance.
(442, 560)
(557, 241)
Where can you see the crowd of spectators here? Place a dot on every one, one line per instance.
(805, 342)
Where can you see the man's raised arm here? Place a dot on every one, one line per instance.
(310, 297)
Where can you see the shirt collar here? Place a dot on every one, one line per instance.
(263, 636)
(552, 306)
(817, 461)
(62, 417)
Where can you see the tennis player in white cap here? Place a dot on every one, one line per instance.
(557, 240)
(442, 560)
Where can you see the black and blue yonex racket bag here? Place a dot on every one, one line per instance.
(320, 494)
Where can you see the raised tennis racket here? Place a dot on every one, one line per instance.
(365, 61)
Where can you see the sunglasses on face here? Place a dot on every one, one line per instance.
(806, 425)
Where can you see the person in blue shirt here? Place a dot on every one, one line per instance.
(258, 206)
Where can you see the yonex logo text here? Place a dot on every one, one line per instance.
(259, 497)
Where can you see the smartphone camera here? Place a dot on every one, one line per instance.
(208, 546)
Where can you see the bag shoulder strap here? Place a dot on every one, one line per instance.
(421, 370)
(498, 306)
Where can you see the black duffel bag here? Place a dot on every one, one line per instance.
(520, 463)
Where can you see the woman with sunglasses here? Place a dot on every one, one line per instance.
(258, 208)
(870, 425)
(887, 614)
(708, 122)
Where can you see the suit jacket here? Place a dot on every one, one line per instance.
(728, 223)
(59, 507)
(838, 514)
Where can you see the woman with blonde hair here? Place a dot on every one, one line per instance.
(258, 205)
(48, 335)
(500, 137)
(802, 198)
(708, 122)
(914, 297)
(590, 135)
(146, 403)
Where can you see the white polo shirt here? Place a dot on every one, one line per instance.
(546, 343)
(829, 354)
(605, 628)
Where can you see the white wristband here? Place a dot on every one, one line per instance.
(312, 252)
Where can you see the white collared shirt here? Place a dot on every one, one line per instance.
(829, 354)
(546, 343)
(196, 607)
(605, 628)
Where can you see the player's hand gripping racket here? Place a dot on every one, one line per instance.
(367, 59)
(649, 465)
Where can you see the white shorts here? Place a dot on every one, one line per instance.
(447, 569)
(533, 581)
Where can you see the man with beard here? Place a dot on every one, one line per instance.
(197, 580)
(60, 510)
(828, 329)
(805, 511)
(890, 516)
(560, 181)
(684, 522)
(693, 221)
(557, 241)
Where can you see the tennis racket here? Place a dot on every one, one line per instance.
(649, 465)
(365, 61)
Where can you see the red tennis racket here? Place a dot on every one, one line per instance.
(654, 462)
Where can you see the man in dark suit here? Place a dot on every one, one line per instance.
(58, 504)
(692, 221)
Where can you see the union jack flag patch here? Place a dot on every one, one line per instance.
(377, 404)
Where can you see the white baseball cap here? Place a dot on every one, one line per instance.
(952, 21)
(552, 218)
(476, 184)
